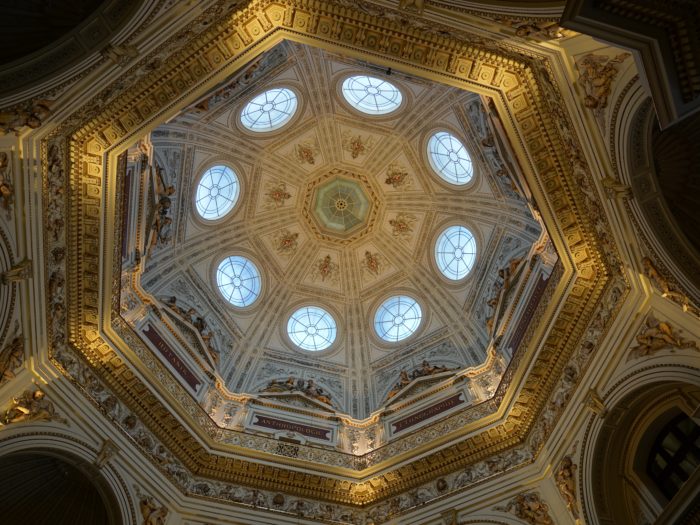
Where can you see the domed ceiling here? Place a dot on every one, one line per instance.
(338, 209)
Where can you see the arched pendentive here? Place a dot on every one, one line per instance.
(662, 171)
(45, 487)
(623, 490)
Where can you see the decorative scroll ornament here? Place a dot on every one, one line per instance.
(31, 406)
(326, 270)
(529, 507)
(566, 482)
(657, 335)
(372, 263)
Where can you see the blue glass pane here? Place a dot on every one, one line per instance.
(455, 252)
(312, 328)
(269, 110)
(449, 158)
(371, 95)
(397, 318)
(217, 192)
(238, 280)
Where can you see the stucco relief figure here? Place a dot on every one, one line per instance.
(417, 5)
(162, 220)
(540, 29)
(666, 288)
(566, 482)
(308, 387)
(31, 406)
(597, 73)
(616, 190)
(31, 115)
(19, 272)
(7, 192)
(11, 358)
(656, 336)
(152, 513)
(425, 369)
(404, 380)
(530, 508)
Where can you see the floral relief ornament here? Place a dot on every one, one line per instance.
(326, 269)
(277, 194)
(305, 152)
(372, 263)
(356, 145)
(397, 176)
(286, 242)
(402, 225)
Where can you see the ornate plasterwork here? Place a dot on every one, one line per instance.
(524, 91)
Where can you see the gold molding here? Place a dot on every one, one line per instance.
(520, 86)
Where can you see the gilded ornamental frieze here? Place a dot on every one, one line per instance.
(81, 179)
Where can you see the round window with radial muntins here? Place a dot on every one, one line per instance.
(312, 328)
(238, 280)
(371, 95)
(455, 252)
(269, 110)
(449, 158)
(217, 192)
(397, 318)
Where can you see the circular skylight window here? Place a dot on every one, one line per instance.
(455, 252)
(449, 158)
(217, 192)
(269, 110)
(371, 95)
(238, 280)
(312, 328)
(397, 318)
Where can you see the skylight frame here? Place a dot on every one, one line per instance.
(224, 203)
(455, 252)
(310, 316)
(358, 91)
(229, 272)
(397, 318)
(449, 158)
(255, 112)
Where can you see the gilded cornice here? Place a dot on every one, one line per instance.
(80, 180)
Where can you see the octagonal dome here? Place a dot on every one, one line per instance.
(341, 213)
